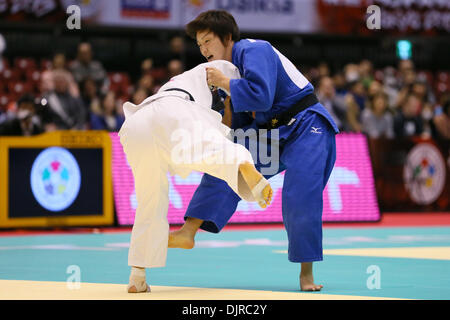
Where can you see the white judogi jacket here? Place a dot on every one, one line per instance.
(193, 81)
(185, 115)
(150, 138)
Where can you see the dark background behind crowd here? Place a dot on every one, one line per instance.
(71, 88)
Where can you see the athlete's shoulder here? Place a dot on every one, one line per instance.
(249, 44)
(251, 48)
(212, 64)
(218, 64)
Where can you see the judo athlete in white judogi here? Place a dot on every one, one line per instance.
(176, 131)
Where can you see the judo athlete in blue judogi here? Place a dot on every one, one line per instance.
(280, 98)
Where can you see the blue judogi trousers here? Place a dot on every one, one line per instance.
(307, 151)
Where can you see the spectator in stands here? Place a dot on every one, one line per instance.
(147, 83)
(427, 101)
(355, 101)
(335, 105)
(63, 110)
(376, 119)
(2, 49)
(146, 66)
(339, 84)
(390, 85)
(351, 72)
(323, 70)
(85, 67)
(174, 68)
(408, 121)
(311, 73)
(420, 89)
(3, 116)
(441, 120)
(176, 48)
(25, 123)
(58, 63)
(90, 97)
(7, 109)
(119, 107)
(179, 51)
(365, 70)
(405, 85)
(374, 88)
(406, 69)
(139, 96)
(109, 120)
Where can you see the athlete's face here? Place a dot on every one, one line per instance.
(212, 48)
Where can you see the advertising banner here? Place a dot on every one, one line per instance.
(261, 16)
(349, 196)
(128, 13)
(139, 13)
(428, 17)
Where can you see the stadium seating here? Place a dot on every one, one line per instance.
(119, 83)
(45, 64)
(6, 100)
(23, 75)
(24, 64)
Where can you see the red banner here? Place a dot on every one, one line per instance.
(411, 174)
(396, 17)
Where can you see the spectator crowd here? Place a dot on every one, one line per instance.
(74, 95)
(393, 102)
(386, 103)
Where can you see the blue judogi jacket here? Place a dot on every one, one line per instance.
(270, 83)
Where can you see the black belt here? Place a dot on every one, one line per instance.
(286, 116)
(182, 90)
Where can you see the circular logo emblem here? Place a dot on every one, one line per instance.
(424, 173)
(55, 178)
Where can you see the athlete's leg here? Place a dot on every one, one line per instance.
(309, 159)
(148, 243)
(234, 175)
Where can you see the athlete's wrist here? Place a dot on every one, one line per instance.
(225, 84)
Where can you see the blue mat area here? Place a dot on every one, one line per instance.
(240, 260)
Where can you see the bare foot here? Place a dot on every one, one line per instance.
(252, 177)
(181, 239)
(307, 279)
(267, 195)
(307, 284)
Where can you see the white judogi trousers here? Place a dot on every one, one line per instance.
(173, 134)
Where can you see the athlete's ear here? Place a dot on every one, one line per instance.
(228, 39)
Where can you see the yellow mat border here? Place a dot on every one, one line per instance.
(52, 290)
(433, 253)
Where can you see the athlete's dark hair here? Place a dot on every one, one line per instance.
(220, 22)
